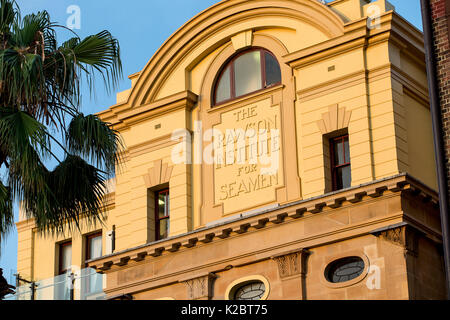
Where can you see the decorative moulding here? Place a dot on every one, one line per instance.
(200, 287)
(401, 183)
(335, 119)
(159, 174)
(242, 40)
(292, 263)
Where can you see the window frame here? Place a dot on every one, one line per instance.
(236, 284)
(89, 237)
(242, 286)
(334, 167)
(230, 63)
(60, 258)
(337, 265)
(332, 258)
(166, 209)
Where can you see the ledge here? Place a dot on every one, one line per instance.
(275, 216)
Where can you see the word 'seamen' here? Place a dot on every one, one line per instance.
(247, 185)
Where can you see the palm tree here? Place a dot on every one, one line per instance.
(40, 110)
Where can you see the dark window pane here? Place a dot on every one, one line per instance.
(248, 74)
(346, 177)
(338, 153)
(252, 291)
(223, 91)
(345, 269)
(340, 163)
(163, 205)
(167, 204)
(164, 228)
(273, 72)
(343, 177)
(347, 150)
(338, 178)
(162, 214)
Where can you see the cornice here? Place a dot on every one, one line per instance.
(236, 261)
(410, 85)
(287, 213)
(354, 37)
(419, 91)
(330, 86)
(24, 225)
(125, 116)
(151, 145)
(393, 28)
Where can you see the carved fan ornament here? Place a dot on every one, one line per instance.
(335, 119)
(159, 174)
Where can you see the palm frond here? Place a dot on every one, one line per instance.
(93, 139)
(40, 84)
(101, 53)
(78, 189)
(7, 16)
(19, 131)
(6, 211)
(28, 32)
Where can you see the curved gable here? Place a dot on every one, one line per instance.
(213, 27)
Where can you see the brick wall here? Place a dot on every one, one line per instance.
(440, 11)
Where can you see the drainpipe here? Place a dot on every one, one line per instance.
(33, 291)
(435, 109)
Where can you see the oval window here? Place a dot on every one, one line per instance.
(344, 269)
(254, 290)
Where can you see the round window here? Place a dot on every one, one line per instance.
(254, 290)
(344, 269)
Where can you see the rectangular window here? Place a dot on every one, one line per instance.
(93, 281)
(162, 215)
(94, 246)
(62, 288)
(65, 257)
(340, 162)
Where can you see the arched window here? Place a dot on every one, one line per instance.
(247, 72)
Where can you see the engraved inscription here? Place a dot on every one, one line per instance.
(248, 157)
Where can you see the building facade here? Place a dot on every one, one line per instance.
(275, 149)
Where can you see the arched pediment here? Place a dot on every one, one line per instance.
(215, 20)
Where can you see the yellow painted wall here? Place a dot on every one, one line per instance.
(357, 77)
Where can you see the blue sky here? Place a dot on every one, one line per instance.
(141, 27)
